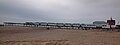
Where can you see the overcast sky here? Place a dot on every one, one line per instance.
(74, 11)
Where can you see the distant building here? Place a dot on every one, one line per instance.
(88, 25)
(117, 26)
(100, 24)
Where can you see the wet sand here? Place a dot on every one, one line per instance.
(14, 35)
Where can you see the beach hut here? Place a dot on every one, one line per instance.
(88, 26)
(68, 25)
(43, 24)
(30, 24)
(76, 26)
(60, 25)
(53, 25)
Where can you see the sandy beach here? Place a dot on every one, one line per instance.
(15, 35)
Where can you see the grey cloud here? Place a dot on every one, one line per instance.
(81, 11)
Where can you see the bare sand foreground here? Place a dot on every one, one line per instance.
(13, 35)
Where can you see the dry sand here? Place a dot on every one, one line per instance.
(14, 35)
